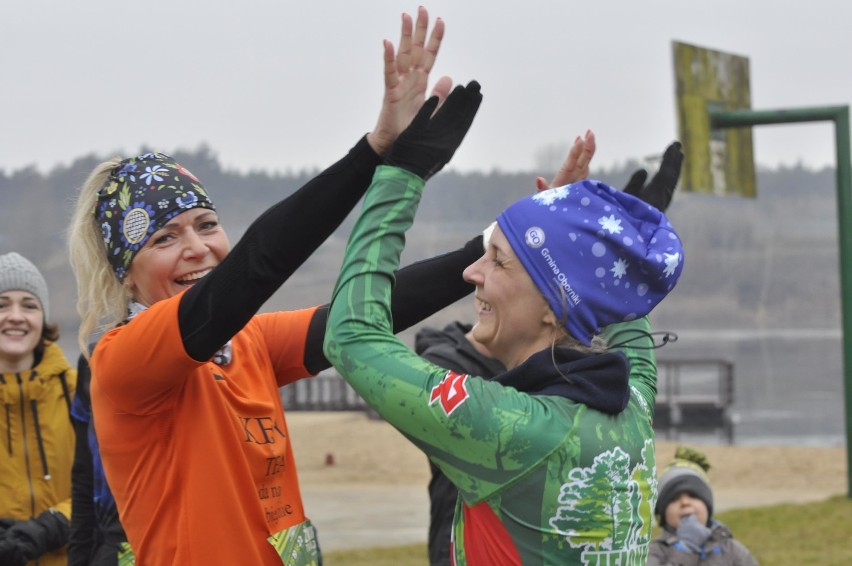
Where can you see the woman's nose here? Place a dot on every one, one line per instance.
(473, 272)
(194, 246)
(15, 313)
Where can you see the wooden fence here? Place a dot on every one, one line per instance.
(693, 396)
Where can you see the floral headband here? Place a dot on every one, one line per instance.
(140, 195)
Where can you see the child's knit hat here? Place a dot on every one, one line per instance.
(687, 472)
(17, 273)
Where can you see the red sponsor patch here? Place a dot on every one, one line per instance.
(451, 392)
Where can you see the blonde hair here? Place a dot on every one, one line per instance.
(101, 299)
(563, 338)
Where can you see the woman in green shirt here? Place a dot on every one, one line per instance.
(553, 459)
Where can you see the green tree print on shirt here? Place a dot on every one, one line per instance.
(590, 494)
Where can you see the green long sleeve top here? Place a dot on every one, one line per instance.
(547, 473)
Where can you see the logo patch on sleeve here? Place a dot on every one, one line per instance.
(451, 392)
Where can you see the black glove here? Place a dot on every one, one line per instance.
(659, 191)
(5, 523)
(31, 539)
(429, 142)
(12, 554)
(692, 534)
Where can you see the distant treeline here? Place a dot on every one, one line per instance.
(749, 263)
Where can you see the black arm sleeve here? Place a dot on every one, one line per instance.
(422, 289)
(83, 522)
(273, 247)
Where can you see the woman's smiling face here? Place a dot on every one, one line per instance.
(177, 255)
(515, 320)
(21, 326)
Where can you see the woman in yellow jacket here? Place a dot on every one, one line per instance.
(36, 387)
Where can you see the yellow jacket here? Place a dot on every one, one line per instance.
(37, 441)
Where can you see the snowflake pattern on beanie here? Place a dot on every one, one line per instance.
(597, 254)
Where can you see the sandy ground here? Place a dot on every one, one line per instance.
(364, 484)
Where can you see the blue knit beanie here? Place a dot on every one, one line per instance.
(598, 255)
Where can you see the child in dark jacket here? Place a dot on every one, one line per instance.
(685, 512)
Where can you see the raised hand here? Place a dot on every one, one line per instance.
(659, 191)
(406, 77)
(576, 165)
(434, 135)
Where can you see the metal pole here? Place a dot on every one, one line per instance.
(743, 118)
(840, 116)
(844, 226)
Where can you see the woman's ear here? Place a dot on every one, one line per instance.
(129, 285)
(557, 327)
(549, 317)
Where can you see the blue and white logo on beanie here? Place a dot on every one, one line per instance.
(597, 254)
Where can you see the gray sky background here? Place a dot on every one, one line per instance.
(278, 85)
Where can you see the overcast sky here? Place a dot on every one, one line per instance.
(279, 85)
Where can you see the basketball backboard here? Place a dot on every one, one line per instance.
(717, 161)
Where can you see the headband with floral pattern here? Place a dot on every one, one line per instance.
(142, 194)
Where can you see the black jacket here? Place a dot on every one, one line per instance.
(96, 533)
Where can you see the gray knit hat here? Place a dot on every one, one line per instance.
(17, 273)
(687, 472)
